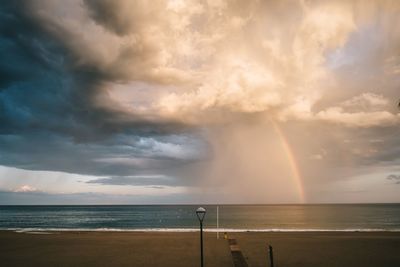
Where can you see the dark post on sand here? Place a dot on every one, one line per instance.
(201, 212)
(271, 256)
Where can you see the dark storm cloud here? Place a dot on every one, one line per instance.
(48, 118)
(35, 89)
(48, 81)
(113, 156)
(25, 51)
(107, 13)
(44, 85)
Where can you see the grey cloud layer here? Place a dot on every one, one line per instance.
(153, 180)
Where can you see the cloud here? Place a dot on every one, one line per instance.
(97, 46)
(104, 46)
(271, 73)
(366, 101)
(25, 188)
(49, 98)
(149, 180)
(365, 110)
(127, 89)
(125, 17)
(43, 198)
(117, 155)
(395, 178)
(358, 119)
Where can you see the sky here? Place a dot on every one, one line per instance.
(180, 102)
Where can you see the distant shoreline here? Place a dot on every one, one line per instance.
(190, 230)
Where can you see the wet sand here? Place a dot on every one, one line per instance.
(326, 249)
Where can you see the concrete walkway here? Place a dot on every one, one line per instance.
(237, 256)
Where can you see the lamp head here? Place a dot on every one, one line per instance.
(201, 212)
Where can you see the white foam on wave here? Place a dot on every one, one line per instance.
(186, 230)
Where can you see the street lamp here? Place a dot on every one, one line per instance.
(201, 212)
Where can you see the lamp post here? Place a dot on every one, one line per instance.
(201, 212)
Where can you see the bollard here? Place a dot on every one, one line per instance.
(271, 256)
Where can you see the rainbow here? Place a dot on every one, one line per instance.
(291, 160)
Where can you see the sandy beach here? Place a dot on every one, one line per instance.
(326, 249)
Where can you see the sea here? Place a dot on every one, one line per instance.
(182, 218)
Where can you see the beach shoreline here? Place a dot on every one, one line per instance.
(89, 248)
